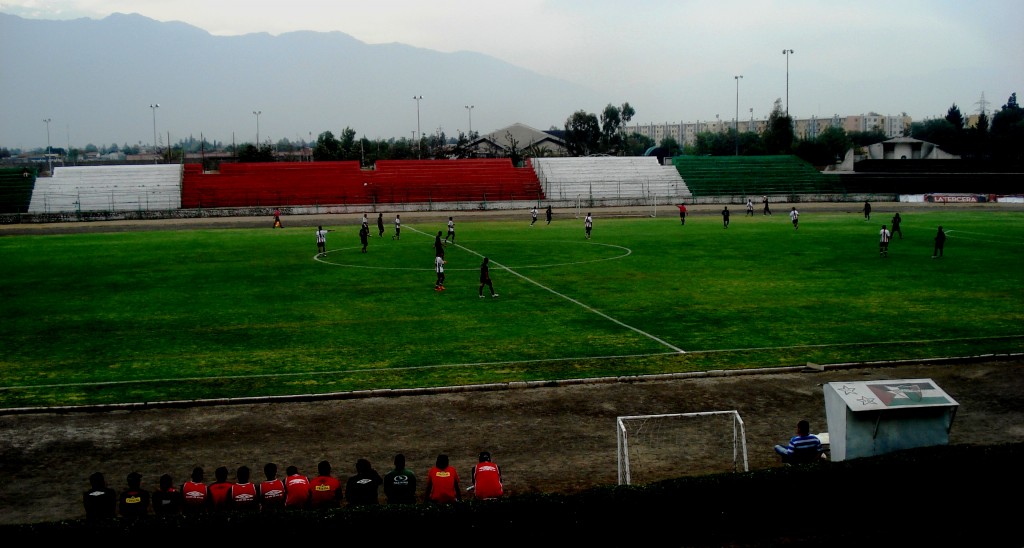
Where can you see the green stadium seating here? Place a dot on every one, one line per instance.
(752, 176)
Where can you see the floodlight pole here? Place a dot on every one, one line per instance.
(787, 52)
(257, 113)
(737, 123)
(49, 162)
(153, 107)
(419, 136)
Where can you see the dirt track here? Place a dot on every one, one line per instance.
(556, 439)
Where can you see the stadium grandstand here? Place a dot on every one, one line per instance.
(184, 190)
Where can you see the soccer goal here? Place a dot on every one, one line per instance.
(659, 447)
(650, 201)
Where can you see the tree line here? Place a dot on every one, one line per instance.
(999, 139)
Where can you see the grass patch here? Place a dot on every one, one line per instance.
(170, 315)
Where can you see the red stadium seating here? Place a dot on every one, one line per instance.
(333, 183)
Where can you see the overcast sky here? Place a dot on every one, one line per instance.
(848, 57)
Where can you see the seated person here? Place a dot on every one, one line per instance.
(803, 447)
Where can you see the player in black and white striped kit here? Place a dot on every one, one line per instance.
(439, 262)
(451, 231)
(883, 241)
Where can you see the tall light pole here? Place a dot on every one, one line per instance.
(153, 107)
(49, 162)
(257, 113)
(737, 123)
(419, 136)
(787, 53)
(470, 109)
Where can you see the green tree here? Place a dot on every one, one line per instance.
(582, 134)
(626, 112)
(250, 153)
(461, 147)
(751, 144)
(778, 135)
(327, 148)
(1007, 132)
(671, 146)
(614, 121)
(284, 145)
(348, 150)
(636, 144)
(834, 142)
(955, 117)
(977, 141)
(955, 142)
(939, 131)
(611, 124)
(513, 150)
(714, 143)
(865, 138)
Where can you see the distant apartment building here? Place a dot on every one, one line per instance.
(685, 133)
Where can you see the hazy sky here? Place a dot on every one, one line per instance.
(886, 56)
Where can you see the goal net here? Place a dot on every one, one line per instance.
(659, 447)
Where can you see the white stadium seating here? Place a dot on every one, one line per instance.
(108, 188)
(601, 177)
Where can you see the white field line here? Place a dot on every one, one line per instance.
(999, 239)
(570, 299)
(507, 362)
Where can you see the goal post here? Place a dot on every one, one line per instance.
(658, 447)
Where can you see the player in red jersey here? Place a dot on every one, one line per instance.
(271, 490)
(195, 494)
(243, 497)
(442, 483)
(487, 478)
(326, 489)
(297, 490)
(219, 490)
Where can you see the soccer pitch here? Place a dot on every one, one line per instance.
(151, 316)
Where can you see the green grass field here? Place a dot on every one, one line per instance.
(181, 315)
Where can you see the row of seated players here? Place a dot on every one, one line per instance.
(295, 492)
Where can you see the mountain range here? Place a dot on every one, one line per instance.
(99, 81)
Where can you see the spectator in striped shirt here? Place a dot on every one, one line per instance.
(803, 447)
